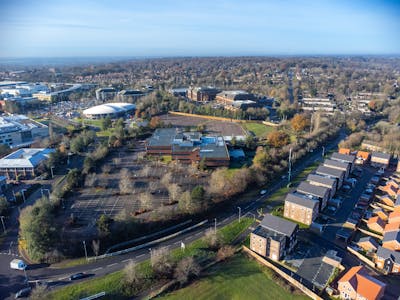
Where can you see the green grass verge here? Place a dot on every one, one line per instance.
(260, 130)
(112, 284)
(238, 278)
(68, 263)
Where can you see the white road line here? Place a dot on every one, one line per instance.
(140, 255)
(187, 238)
(247, 207)
(199, 233)
(178, 242)
(127, 260)
(62, 278)
(94, 270)
(225, 220)
(112, 265)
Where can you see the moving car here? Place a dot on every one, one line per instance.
(17, 264)
(23, 293)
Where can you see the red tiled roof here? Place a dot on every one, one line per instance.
(344, 151)
(362, 283)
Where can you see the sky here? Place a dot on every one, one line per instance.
(137, 28)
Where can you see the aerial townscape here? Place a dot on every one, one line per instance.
(200, 150)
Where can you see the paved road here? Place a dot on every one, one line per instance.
(12, 280)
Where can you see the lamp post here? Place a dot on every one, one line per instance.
(52, 172)
(215, 225)
(23, 194)
(2, 222)
(84, 247)
(240, 212)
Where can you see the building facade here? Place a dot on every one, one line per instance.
(300, 208)
(274, 238)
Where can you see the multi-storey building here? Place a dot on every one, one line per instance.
(300, 208)
(20, 131)
(274, 238)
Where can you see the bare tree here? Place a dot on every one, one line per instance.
(145, 172)
(186, 269)
(96, 247)
(185, 202)
(39, 292)
(161, 261)
(146, 201)
(166, 179)
(91, 180)
(125, 184)
(225, 252)
(174, 192)
(212, 239)
(132, 276)
(106, 168)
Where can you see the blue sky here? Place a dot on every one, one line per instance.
(53, 28)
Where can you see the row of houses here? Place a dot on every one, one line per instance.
(385, 221)
(314, 194)
(376, 159)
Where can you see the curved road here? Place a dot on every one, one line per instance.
(13, 280)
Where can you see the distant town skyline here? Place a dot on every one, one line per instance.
(198, 28)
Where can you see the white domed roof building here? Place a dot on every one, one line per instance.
(112, 110)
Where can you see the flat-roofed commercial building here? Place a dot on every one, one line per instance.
(20, 131)
(336, 174)
(23, 162)
(300, 208)
(320, 193)
(274, 237)
(189, 147)
(202, 94)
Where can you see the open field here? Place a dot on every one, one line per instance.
(258, 129)
(212, 126)
(238, 278)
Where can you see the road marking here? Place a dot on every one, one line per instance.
(112, 265)
(199, 233)
(62, 278)
(178, 242)
(140, 255)
(225, 220)
(186, 238)
(94, 270)
(127, 260)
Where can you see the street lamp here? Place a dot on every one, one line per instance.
(323, 151)
(215, 225)
(240, 212)
(52, 173)
(2, 222)
(23, 194)
(84, 247)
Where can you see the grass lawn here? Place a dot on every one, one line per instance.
(238, 278)
(260, 130)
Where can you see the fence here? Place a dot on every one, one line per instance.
(305, 286)
(361, 257)
(149, 243)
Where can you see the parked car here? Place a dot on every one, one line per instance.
(263, 192)
(77, 276)
(23, 293)
(346, 188)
